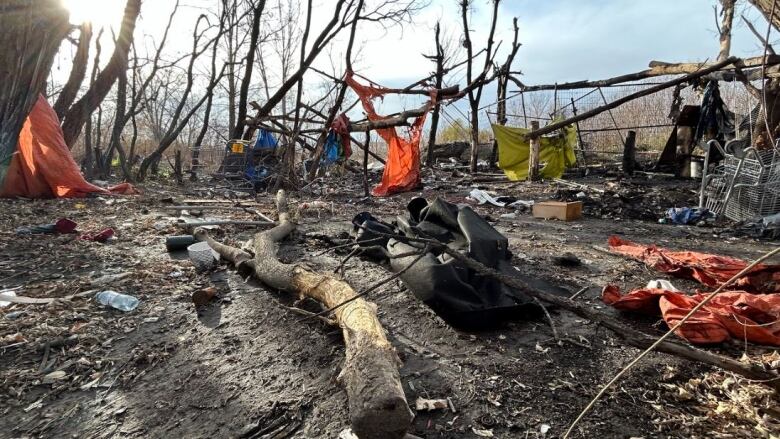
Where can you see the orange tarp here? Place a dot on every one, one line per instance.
(402, 169)
(709, 270)
(42, 166)
(746, 314)
(737, 314)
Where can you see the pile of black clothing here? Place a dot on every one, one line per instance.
(462, 297)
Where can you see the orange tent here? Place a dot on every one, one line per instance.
(43, 167)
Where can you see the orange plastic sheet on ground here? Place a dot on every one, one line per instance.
(709, 270)
(752, 313)
(402, 169)
(733, 314)
(43, 167)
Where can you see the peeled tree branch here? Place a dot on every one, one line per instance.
(377, 404)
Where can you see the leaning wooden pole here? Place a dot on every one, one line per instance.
(377, 405)
(616, 103)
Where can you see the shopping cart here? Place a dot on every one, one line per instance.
(745, 184)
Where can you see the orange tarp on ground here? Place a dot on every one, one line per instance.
(42, 166)
(402, 170)
(709, 270)
(737, 314)
(744, 315)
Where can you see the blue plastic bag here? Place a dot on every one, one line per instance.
(265, 140)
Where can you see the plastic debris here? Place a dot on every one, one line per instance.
(202, 256)
(688, 215)
(483, 197)
(119, 301)
(430, 404)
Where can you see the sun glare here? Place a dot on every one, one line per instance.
(98, 12)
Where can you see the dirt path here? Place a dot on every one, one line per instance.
(248, 363)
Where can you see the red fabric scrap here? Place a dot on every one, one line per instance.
(733, 314)
(64, 225)
(708, 269)
(101, 236)
(341, 126)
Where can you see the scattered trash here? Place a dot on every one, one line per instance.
(733, 314)
(13, 315)
(564, 211)
(101, 236)
(62, 225)
(202, 256)
(347, 434)
(204, 296)
(430, 404)
(708, 269)
(116, 300)
(179, 242)
(512, 215)
(544, 428)
(687, 215)
(482, 197)
(661, 284)
(6, 294)
(441, 281)
(482, 433)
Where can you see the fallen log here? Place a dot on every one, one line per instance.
(658, 68)
(377, 405)
(616, 103)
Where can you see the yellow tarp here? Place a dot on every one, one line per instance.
(555, 155)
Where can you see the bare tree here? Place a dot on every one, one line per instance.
(438, 58)
(77, 73)
(179, 119)
(257, 13)
(74, 119)
(475, 91)
(31, 34)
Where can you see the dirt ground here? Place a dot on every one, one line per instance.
(246, 366)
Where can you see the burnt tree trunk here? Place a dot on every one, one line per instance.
(439, 58)
(30, 37)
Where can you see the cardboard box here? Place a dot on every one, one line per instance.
(558, 209)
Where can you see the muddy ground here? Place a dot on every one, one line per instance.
(73, 368)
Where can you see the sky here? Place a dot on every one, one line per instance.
(562, 40)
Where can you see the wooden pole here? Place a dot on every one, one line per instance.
(629, 153)
(533, 158)
(581, 144)
(365, 164)
(618, 102)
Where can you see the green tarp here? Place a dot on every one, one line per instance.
(555, 155)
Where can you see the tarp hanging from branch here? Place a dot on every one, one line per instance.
(402, 170)
(557, 153)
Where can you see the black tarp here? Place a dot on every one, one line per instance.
(462, 297)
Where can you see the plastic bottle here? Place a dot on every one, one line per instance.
(116, 300)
